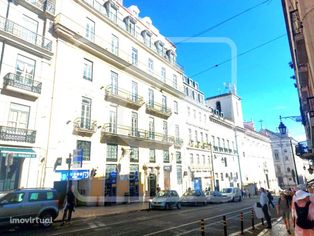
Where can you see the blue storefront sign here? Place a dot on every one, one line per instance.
(73, 174)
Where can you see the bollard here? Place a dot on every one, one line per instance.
(224, 221)
(263, 221)
(202, 228)
(252, 217)
(241, 219)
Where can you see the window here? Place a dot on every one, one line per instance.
(147, 38)
(41, 196)
(223, 143)
(160, 47)
(134, 56)
(18, 116)
(200, 116)
(189, 111)
(179, 174)
(114, 83)
(152, 155)
(134, 123)
(178, 157)
(12, 198)
(199, 99)
(134, 154)
(151, 128)
(86, 147)
(30, 29)
(150, 64)
(164, 103)
(191, 158)
(213, 140)
(193, 94)
(113, 120)
(88, 70)
(165, 130)
(86, 113)
(151, 97)
(218, 141)
(186, 91)
(115, 45)
(175, 81)
(112, 152)
(228, 144)
(196, 136)
(202, 137)
(276, 153)
(25, 70)
(90, 30)
(163, 74)
(206, 138)
(130, 25)
(288, 169)
(134, 91)
(194, 112)
(175, 107)
(198, 159)
(177, 132)
(112, 13)
(225, 160)
(221, 176)
(190, 135)
(166, 156)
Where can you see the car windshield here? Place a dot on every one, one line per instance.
(227, 190)
(192, 193)
(163, 194)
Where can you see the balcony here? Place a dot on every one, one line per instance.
(128, 136)
(178, 142)
(17, 134)
(123, 98)
(84, 127)
(40, 7)
(21, 84)
(23, 35)
(158, 110)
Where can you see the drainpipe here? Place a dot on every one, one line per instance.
(3, 44)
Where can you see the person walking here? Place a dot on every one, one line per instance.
(283, 209)
(69, 205)
(270, 198)
(264, 203)
(303, 213)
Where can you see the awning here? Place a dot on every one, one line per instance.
(18, 152)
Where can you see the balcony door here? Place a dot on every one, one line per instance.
(135, 124)
(151, 98)
(86, 113)
(165, 131)
(25, 70)
(164, 103)
(113, 120)
(151, 127)
(18, 116)
(114, 83)
(134, 91)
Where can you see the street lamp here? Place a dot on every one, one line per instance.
(283, 131)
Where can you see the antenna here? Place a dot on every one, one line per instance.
(261, 121)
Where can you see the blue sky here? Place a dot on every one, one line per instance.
(263, 75)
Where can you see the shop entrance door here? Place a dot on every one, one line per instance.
(111, 184)
(152, 180)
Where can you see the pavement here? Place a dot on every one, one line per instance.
(278, 229)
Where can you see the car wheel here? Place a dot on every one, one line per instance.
(178, 205)
(46, 219)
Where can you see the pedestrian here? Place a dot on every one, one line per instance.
(303, 213)
(283, 209)
(69, 205)
(270, 199)
(264, 203)
(158, 188)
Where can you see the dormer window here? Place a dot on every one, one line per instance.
(112, 11)
(159, 47)
(130, 25)
(171, 56)
(147, 37)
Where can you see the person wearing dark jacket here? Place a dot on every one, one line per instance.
(69, 205)
(270, 199)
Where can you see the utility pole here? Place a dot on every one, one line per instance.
(68, 161)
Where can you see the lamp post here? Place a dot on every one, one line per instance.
(283, 132)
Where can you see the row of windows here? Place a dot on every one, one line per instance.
(203, 137)
(199, 159)
(196, 96)
(227, 175)
(221, 142)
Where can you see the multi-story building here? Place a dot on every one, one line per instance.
(299, 16)
(26, 82)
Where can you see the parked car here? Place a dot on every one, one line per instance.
(166, 199)
(193, 197)
(216, 197)
(234, 194)
(36, 205)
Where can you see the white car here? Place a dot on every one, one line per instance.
(165, 199)
(216, 197)
(234, 194)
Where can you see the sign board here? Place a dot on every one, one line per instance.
(77, 158)
(73, 174)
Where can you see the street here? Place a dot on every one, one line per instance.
(185, 221)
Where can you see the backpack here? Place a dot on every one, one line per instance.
(302, 213)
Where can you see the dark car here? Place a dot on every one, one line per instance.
(193, 197)
(29, 206)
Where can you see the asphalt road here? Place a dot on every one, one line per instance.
(185, 221)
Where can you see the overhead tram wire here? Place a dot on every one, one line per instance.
(239, 55)
(223, 22)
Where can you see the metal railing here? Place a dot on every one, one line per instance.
(136, 133)
(85, 124)
(17, 134)
(44, 5)
(124, 94)
(25, 34)
(156, 107)
(21, 82)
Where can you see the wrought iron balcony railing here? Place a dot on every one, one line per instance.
(22, 82)
(17, 134)
(157, 109)
(84, 126)
(135, 133)
(178, 142)
(44, 5)
(124, 97)
(25, 34)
